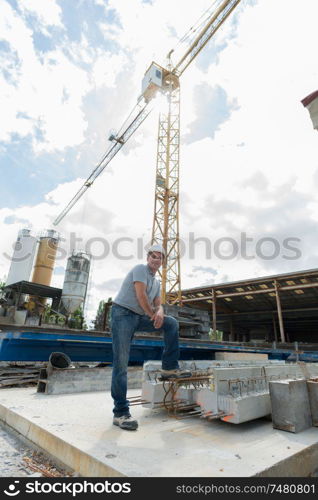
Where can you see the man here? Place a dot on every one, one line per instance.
(137, 307)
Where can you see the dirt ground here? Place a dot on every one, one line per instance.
(20, 459)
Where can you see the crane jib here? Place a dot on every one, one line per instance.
(108, 156)
(214, 23)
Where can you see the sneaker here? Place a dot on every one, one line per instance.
(177, 373)
(126, 422)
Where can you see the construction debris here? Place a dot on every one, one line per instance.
(17, 373)
(11, 376)
(38, 463)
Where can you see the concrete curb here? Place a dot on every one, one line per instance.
(67, 454)
(302, 464)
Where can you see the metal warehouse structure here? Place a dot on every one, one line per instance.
(281, 308)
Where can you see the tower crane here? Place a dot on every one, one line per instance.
(165, 230)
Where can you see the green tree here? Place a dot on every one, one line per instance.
(77, 320)
(98, 322)
(104, 308)
(217, 335)
(2, 285)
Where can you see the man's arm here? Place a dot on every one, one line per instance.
(159, 313)
(142, 298)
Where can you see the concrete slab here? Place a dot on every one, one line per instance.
(240, 356)
(77, 429)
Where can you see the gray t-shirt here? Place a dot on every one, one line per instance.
(127, 297)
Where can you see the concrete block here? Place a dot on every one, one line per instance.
(154, 394)
(186, 394)
(283, 372)
(72, 380)
(244, 409)
(237, 381)
(152, 369)
(309, 370)
(312, 386)
(207, 400)
(240, 356)
(290, 405)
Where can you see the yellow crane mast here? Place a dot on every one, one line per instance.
(165, 230)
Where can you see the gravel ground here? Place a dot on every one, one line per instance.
(19, 458)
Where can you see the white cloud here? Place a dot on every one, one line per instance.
(106, 68)
(36, 100)
(47, 11)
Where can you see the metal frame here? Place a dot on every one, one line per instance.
(165, 230)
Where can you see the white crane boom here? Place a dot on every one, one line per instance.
(140, 113)
(215, 21)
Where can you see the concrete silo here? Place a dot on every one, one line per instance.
(22, 258)
(75, 282)
(45, 258)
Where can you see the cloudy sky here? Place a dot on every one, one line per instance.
(71, 72)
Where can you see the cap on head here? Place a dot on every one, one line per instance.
(157, 248)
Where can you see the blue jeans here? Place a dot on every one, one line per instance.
(124, 323)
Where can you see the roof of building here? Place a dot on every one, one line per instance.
(311, 97)
(36, 289)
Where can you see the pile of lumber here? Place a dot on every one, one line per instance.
(11, 376)
(16, 373)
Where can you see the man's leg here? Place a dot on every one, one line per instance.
(123, 325)
(170, 328)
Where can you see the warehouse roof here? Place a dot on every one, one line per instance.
(249, 304)
(296, 289)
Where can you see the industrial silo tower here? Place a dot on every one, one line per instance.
(22, 258)
(75, 282)
(45, 259)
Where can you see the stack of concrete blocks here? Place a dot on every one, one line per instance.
(193, 323)
(237, 391)
(294, 403)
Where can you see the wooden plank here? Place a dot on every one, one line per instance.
(3, 380)
(17, 382)
(17, 372)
